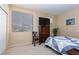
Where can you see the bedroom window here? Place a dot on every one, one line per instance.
(21, 22)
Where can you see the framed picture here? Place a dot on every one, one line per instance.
(70, 21)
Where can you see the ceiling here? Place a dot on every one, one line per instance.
(53, 9)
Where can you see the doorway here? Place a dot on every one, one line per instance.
(44, 29)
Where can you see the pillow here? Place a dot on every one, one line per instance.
(74, 40)
(69, 38)
(60, 37)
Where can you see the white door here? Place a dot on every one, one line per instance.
(3, 18)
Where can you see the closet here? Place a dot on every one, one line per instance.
(3, 18)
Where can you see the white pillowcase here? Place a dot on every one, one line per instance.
(60, 37)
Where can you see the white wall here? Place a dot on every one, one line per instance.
(25, 37)
(68, 30)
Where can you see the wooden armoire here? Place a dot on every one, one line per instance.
(44, 29)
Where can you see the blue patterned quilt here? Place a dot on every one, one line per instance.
(62, 44)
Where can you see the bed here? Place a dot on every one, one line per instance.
(63, 44)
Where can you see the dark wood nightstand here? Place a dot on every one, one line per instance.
(73, 52)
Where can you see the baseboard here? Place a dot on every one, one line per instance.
(20, 44)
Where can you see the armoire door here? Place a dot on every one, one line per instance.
(44, 29)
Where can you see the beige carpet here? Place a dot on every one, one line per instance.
(29, 49)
